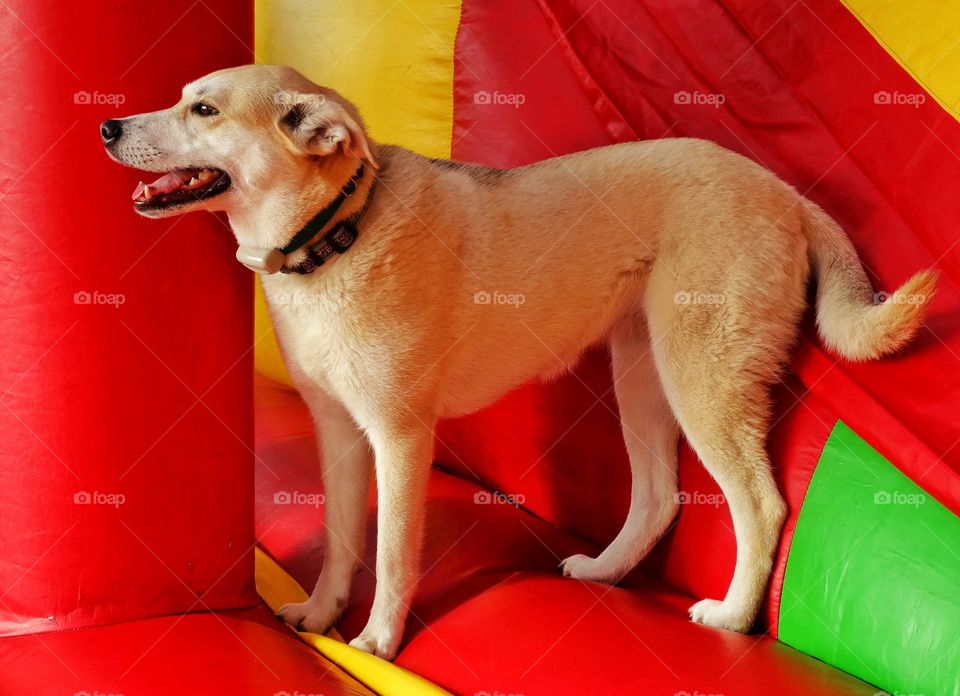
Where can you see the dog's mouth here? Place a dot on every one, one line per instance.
(179, 187)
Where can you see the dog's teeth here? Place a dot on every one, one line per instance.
(147, 194)
(193, 180)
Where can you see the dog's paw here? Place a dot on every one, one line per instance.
(312, 616)
(582, 567)
(379, 643)
(712, 612)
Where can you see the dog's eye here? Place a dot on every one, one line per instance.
(202, 109)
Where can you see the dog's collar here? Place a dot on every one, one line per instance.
(340, 238)
(336, 241)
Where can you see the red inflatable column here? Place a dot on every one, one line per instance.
(126, 477)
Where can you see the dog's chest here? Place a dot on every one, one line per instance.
(316, 326)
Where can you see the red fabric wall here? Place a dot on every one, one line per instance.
(149, 399)
(796, 98)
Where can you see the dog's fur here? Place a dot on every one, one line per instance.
(688, 259)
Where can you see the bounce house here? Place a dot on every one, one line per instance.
(160, 489)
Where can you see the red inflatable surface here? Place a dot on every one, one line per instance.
(493, 614)
(125, 398)
(239, 652)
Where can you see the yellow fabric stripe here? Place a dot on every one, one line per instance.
(277, 588)
(267, 359)
(394, 60)
(923, 36)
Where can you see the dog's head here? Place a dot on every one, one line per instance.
(237, 138)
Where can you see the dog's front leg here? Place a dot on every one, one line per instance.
(403, 457)
(346, 462)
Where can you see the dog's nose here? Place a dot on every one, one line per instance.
(110, 130)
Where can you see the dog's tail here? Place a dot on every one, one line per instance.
(854, 321)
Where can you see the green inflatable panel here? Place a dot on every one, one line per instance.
(872, 583)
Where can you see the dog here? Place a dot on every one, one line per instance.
(690, 261)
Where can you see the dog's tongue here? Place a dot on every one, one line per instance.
(165, 184)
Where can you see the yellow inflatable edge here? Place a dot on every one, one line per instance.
(276, 588)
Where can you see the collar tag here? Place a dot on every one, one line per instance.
(342, 237)
(265, 261)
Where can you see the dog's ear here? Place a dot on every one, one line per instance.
(318, 126)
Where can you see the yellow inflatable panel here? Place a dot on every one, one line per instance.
(394, 60)
(267, 358)
(923, 36)
(277, 588)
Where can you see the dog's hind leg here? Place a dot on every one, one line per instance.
(716, 376)
(730, 443)
(651, 433)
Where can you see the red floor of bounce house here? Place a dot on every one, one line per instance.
(146, 458)
(493, 611)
